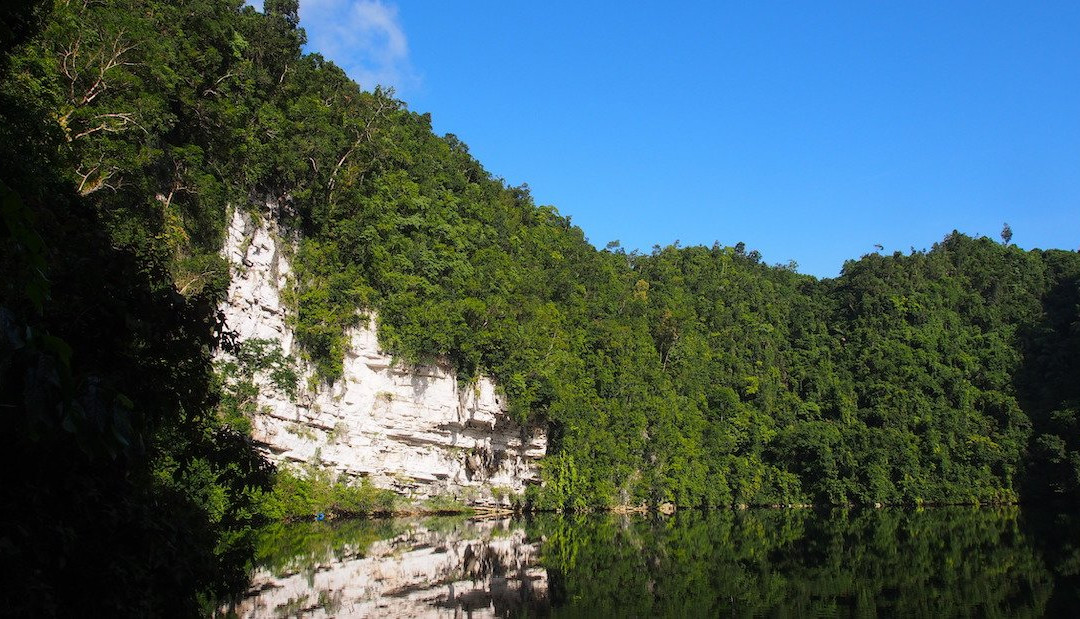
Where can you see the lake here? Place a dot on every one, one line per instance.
(858, 562)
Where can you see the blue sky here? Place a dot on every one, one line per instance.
(812, 131)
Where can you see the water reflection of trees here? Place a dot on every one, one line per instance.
(283, 548)
(935, 562)
(938, 562)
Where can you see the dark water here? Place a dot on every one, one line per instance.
(933, 562)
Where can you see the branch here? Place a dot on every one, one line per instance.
(106, 60)
(124, 119)
(88, 186)
(109, 62)
(360, 138)
(213, 89)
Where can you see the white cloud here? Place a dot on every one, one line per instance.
(364, 37)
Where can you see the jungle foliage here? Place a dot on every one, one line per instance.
(700, 376)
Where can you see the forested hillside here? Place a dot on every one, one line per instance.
(696, 375)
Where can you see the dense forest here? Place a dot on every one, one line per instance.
(697, 375)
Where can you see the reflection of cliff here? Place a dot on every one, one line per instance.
(411, 429)
(484, 569)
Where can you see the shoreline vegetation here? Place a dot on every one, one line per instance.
(678, 376)
(316, 494)
(340, 501)
(481, 512)
(665, 509)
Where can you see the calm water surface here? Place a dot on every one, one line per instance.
(934, 562)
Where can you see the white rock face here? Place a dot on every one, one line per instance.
(410, 429)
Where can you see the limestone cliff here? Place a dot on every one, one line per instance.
(411, 429)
